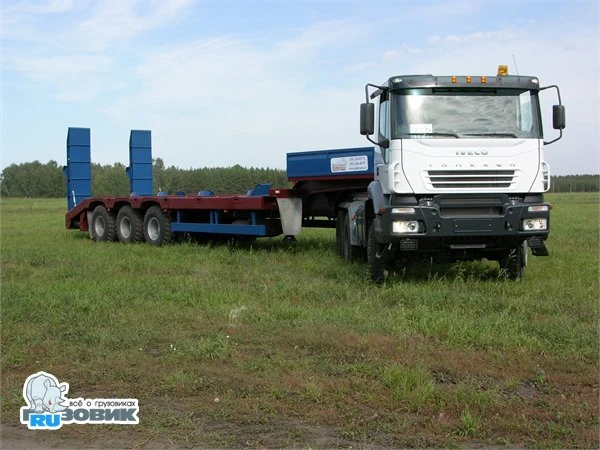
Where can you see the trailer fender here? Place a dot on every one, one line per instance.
(356, 221)
(376, 195)
(290, 213)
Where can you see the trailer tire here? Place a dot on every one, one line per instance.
(157, 227)
(376, 265)
(338, 232)
(102, 226)
(130, 225)
(346, 250)
(513, 262)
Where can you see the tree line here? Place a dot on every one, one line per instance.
(35, 179)
(575, 183)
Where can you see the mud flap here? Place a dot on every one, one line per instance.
(290, 213)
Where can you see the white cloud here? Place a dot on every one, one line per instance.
(402, 50)
(228, 93)
(39, 7)
(390, 55)
(73, 78)
(81, 61)
(56, 68)
(504, 34)
(360, 66)
(318, 35)
(115, 21)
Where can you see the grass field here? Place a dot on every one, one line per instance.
(280, 345)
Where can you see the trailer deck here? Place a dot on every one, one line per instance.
(319, 179)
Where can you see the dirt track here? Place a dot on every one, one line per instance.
(14, 436)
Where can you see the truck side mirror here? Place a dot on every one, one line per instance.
(558, 117)
(367, 119)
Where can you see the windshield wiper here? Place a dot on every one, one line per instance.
(446, 134)
(503, 134)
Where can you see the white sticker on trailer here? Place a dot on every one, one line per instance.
(350, 164)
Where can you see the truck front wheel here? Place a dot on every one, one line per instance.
(345, 249)
(513, 262)
(157, 227)
(376, 264)
(102, 226)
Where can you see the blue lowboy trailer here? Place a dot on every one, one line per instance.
(320, 178)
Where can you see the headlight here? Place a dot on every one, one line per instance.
(405, 226)
(534, 224)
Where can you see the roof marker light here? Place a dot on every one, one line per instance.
(483, 79)
(454, 78)
(468, 78)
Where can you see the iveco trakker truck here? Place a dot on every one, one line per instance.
(459, 172)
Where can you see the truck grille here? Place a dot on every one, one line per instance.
(473, 179)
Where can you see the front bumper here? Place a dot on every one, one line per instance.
(460, 224)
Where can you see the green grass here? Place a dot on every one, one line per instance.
(411, 386)
(300, 348)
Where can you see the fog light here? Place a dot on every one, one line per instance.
(535, 224)
(538, 208)
(403, 210)
(405, 226)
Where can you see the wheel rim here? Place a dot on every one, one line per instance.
(99, 226)
(153, 229)
(125, 227)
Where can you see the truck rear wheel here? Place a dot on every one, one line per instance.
(130, 225)
(513, 262)
(157, 227)
(102, 226)
(338, 231)
(376, 264)
(345, 249)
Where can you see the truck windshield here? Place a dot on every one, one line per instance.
(452, 113)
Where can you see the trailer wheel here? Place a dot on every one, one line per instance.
(157, 227)
(102, 226)
(346, 250)
(338, 232)
(376, 265)
(513, 262)
(130, 225)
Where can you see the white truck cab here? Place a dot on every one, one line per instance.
(459, 170)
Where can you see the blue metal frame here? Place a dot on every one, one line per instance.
(214, 227)
(318, 163)
(78, 171)
(259, 189)
(140, 162)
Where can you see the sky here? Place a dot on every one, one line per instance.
(221, 83)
